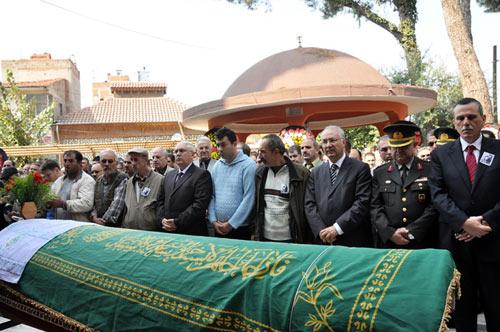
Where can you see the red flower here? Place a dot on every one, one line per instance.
(37, 177)
(390, 169)
(420, 167)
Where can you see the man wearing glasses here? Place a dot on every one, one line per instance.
(108, 194)
(384, 149)
(184, 195)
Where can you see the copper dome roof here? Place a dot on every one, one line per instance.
(305, 67)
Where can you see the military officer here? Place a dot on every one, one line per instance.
(445, 135)
(402, 213)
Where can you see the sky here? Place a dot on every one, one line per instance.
(199, 47)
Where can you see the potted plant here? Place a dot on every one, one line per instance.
(30, 192)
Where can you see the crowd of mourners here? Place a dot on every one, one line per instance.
(404, 193)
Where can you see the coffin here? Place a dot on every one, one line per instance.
(109, 279)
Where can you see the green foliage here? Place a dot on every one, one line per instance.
(362, 137)
(29, 188)
(19, 123)
(447, 86)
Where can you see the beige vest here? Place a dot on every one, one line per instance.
(142, 214)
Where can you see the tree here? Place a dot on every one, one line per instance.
(457, 20)
(19, 123)
(447, 86)
(362, 137)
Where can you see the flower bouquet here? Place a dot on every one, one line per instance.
(214, 153)
(294, 135)
(30, 193)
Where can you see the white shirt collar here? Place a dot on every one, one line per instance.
(185, 169)
(476, 143)
(338, 162)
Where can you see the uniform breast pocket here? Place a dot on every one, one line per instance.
(388, 192)
(421, 192)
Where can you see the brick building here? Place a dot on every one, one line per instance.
(47, 80)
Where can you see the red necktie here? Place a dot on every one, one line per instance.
(471, 162)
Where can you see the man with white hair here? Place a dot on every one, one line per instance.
(337, 199)
(108, 193)
(160, 161)
(204, 150)
(185, 194)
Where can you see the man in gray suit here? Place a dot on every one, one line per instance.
(204, 148)
(337, 199)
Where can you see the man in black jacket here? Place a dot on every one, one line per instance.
(465, 187)
(185, 194)
(279, 196)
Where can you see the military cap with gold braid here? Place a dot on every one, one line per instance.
(445, 135)
(401, 133)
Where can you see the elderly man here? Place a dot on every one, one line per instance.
(234, 189)
(337, 200)
(465, 187)
(141, 193)
(96, 171)
(160, 162)
(75, 190)
(384, 149)
(204, 149)
(401, 211)
(51, 170)
(279, 196)
(310, 153)
(109, 191)
(185, 195)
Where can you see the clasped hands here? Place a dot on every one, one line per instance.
(168, 225)
(328, 234)
(222, 227)
(473, 227)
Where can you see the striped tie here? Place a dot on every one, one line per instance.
(334, 171)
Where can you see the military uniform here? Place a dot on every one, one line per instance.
(401, 198)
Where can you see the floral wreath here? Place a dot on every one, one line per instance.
(294, 135)
(214, 153)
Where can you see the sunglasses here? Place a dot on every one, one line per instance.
(385, 149)
(107, 161)
(431, 143)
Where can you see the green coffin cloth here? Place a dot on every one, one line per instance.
(124, 280)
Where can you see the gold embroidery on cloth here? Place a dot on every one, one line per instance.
(169, 304)
(317, 281)
(365, 308)
(192, 255)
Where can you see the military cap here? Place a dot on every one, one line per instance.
(445, 135)
(401, 133)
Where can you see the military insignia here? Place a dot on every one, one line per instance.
(443, 137)
(387, 181)
(420, 167)
(424, 179)
(398, 135)
(421, 198)
(390, 169)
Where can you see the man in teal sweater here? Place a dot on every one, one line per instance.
(233, 179)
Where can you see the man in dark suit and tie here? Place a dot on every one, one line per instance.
(185, 194)
(337, 199)
(465, 187)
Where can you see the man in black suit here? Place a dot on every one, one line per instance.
(402, 212)
(465, 187)
(337, 199)
(185, 194)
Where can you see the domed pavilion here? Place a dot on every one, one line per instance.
(310, 87)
